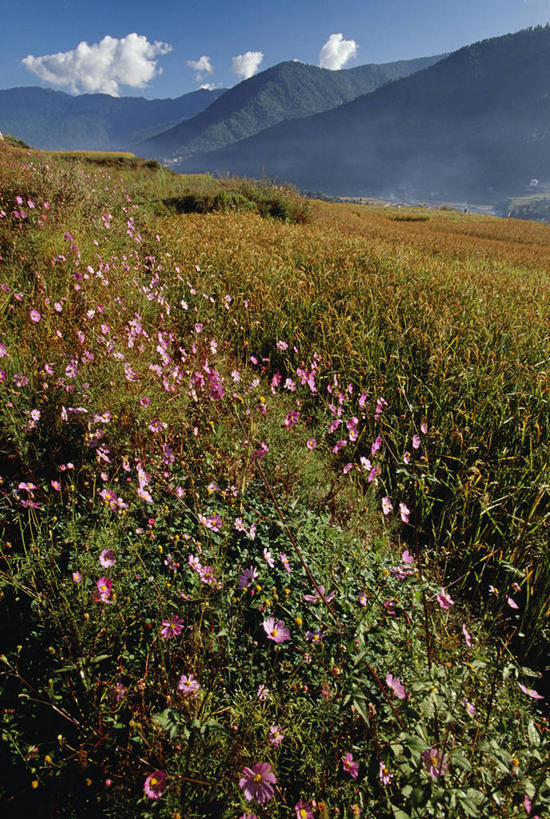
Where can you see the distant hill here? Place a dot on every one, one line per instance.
(474, 125)
(53, 119)
(286, 91)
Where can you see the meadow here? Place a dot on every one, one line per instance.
(274, 500)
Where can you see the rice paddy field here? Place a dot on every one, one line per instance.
(274, 500)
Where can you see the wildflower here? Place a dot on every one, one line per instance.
(376, 444)
(262, 693)
(396, 686)
(291, 419)
(416, 441)
(276, 735)
(311, 443)
(404, 512)
(315, 597)
(467, 636)
(406, 458)
(406, 556)
(172, 627)
(35, 316)
(157, 425)
(284, 561)
(303, 810)
(188, 685)
(338, 446)
(444, 600)
(107, 558)
(117, 693)
(350, 766)
(247, 578)
(282, 346)
(470, 709)
(387, 505)
(434, 762)
(214, 522)
(155, 784)
(77, 577)
(104, 588)
(268, 559)
(257, 782)
(276, 630)
(347, 468)
(314, 636)
(363, 599)
(530, 692)
(511, 602)
(389, 605)
(424, 428)
(385, 774)
(3, 350)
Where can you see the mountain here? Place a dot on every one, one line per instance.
(53, 119)
(286, 91)
(474, 125)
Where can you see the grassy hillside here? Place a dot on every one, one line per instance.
(273, 504)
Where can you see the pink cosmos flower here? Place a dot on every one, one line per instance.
(311, 443)
(363, 599)
(303, 810)
(214, 522)
(284, 561)
(268, 559)
(407, 557)
(406, 458)
(257, 782)
(247, 578)
(423, 427)
(291, 419)
(188, 685)
(104, 588)
(387, 505)
(315, 597)
(386, 775)
(35, 316)
(107, 558)
(77, 577)
(470, 708)
(416, 441)
(434, 762)
(376, 444)
(511, 602)
(172, 627)
(350, 766)
(404, 512)
(262, 693)
(155, 784)
(530, 692)
(444, 600)
(276, 630)
(276, 735)
(396, 686)
(467, 636)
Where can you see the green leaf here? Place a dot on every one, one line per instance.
(533, 734)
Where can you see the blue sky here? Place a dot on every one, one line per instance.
(264, 31)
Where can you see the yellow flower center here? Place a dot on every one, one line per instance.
(434, 760)
(153, 781)
(274, 632)
(258, 778)
(302, 813)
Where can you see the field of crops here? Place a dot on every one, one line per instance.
(274, 500)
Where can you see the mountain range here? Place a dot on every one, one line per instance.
(475, 125)
(55, 120)
(287, 91)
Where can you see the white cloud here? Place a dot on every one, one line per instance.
(336, 52)
(246, 65)
(202, 66)
(101, 67)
